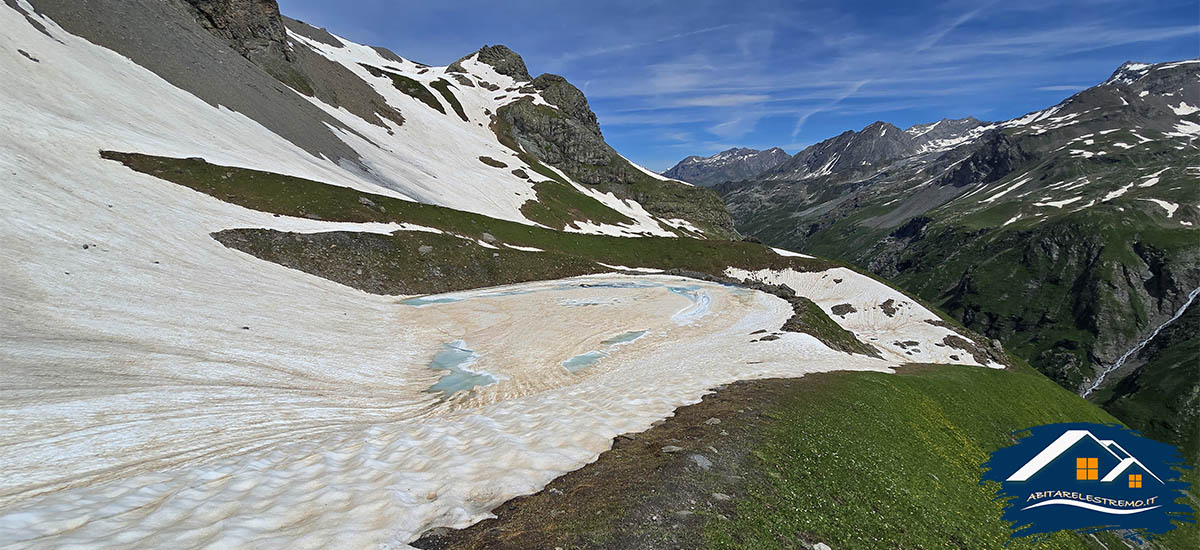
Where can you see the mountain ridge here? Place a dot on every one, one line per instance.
(1090, 201)
(729, 165)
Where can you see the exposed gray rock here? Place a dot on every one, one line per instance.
(317, 34)
(995, 156)
(502, 59)
(569, 100)
(568, 137)
(842, 310)
(700, 460)
(253, 27)
(387, 54)
(211, 68)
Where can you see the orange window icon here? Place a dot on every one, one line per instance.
(1135, 481)
(1088, 469)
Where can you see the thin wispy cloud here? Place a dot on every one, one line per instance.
(627, 46)
(722, 100)
(849, 91)
(925, 45)
(1060, 88)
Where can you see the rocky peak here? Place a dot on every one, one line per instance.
(562, 94)
(252, 27)
(738, 163)
(501, 58)
(848, 153)
(1128, 73)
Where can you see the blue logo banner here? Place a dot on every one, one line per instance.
(1089, 477)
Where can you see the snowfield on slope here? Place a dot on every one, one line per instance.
(882, 316)
(164, 391)
(431, 158)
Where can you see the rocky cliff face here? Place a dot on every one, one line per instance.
(735, 164)
(253, 27)
(257, 31)
(994, 156)
(567, 135)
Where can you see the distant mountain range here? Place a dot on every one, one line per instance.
(1069, 233)
(729, 165)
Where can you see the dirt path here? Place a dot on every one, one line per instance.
(655, 489)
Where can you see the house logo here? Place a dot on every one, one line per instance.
(1087, 478)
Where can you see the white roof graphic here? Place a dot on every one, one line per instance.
(1068, 439)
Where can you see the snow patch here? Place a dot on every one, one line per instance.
(1170, 207)
(783, 252)
(1058, 204)
(1183, 109)
(1114, 194)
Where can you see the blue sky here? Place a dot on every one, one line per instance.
(670, 78)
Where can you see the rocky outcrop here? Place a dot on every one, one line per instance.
(253, 27)
(569, 100)
(568, 137)
(257, 31)
(502, 59)
(206, 61)
(994, 156)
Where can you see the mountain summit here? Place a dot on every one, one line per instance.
(730, 165)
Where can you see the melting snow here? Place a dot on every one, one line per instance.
(1114, 194)
(1185, 128)
(524, 248)
(783, 252)
(1170, 207)
(1152, 179)
(1058, 204)
(1006, 190)
(1183, 109)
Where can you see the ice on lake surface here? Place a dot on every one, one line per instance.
(626, 337)
(456, 357)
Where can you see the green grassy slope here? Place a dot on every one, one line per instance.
(412, 88)
(291, 196)
(854, 460)
(872, 461)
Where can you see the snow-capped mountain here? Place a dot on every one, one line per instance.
(1079, 221)
(366, 117)
(730, 165)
